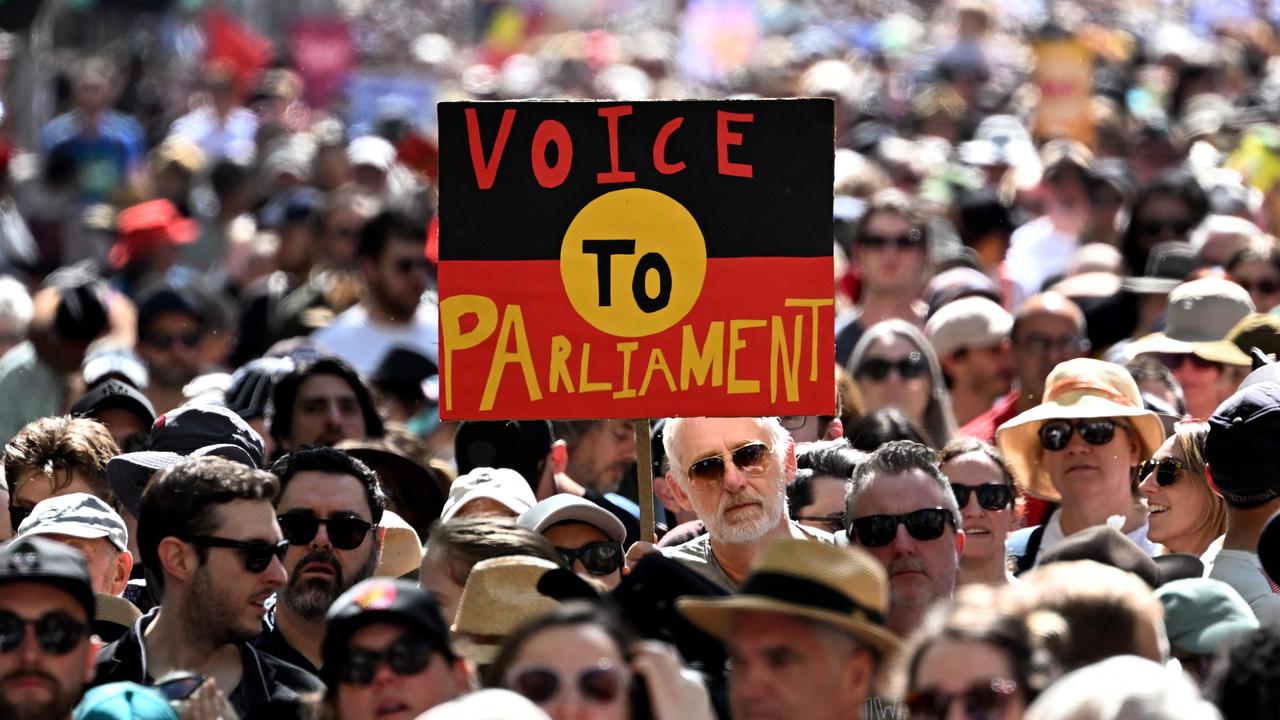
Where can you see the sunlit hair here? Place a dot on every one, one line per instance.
(776, 435)
(1191, 438)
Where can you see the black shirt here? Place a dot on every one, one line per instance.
(272, 642)
(265, 679)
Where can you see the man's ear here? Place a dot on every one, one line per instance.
(677, 492)
(835, 430)
(559, 456)
(177, 559)
(124, 566)
(859, 673)
(959, 543)
(789, 460)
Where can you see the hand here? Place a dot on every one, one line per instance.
(208, 703)
(637, 551)
(675, 692)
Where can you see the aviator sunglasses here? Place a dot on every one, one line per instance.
(751, 460)
(878, 530)
(346, 531)
(1166, 470)
(1056, 434)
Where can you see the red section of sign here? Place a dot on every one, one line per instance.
(760, 335)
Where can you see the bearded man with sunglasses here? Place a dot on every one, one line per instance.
(901, 509)
(733, 473)
(1079, 448)
(209, 539)
(329, 508)
(46, 604)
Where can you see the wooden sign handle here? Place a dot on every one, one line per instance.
(644, 480)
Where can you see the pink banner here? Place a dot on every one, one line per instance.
(324, 53)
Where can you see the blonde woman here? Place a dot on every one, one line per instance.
(1184, 513)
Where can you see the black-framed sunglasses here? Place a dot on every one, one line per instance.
(1056, 434)
(836, 522)
(257, 554)
(878, 530)
(1166, 470)
(911, 240)
(598, 685)
(407, 655)
(980, 700)
(599, 558)
(991, 496)
(56, 632)
(181, 687)
(751, 460)
(17, 515)
(908, 368)
(345, 531)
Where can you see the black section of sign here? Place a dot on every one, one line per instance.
(784, 209)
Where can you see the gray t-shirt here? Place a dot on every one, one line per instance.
(698, 556)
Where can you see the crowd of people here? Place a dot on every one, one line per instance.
(1043, 492)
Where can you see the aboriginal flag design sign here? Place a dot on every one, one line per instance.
(636, 259)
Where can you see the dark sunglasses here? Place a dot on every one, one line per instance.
(1166, 470)
(991, 496)
(345, 531)
(406, 656)
(257, 553)
(1262, 287)
(17, 515)
(1175, 361)
(180, 688)
(906, 241)
(751, 459)
(1157, 228)
(1055, 434)
(164, 341)
(598, 685)
(406, 265)
(56, 633)
(599, 558)
(878, 530)
(983, 700)
(836, 522)
(908, 368)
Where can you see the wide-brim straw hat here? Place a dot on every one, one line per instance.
(501, 594)
(842, 587)
(1201, 315)
(401, 548)
(1076, 389)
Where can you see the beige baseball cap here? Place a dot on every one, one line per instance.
(968, 322)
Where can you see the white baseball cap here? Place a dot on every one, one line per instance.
(571, 508)
(501, 485)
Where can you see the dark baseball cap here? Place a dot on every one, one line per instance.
(1109, 546)
(381, 600)
(251, 385)
(114, 394)
(1269, 547)
(161, 299)
(40, 560)
(1245, 428)
(190, 430)
(513, 444)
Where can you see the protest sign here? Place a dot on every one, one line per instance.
(642, 259)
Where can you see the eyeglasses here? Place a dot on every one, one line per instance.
(406, 265)
(56, 633)
(408, 655)
(791, 423)
(1166, 470)
(1043, 344)
(1175, 361)
(1159, 228)
(345, 531)
(599, 558)
(17, 515)
(164, 341)
(751, 460)
(180, 688)
(1055, 434)
(878, 530)
(908, 368)
(836, 522)
(1261, 287)
(906, 241)
(598, 685)
(991, 496)
(257, 553)
(983, 700)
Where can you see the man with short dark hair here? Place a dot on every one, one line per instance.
(373, 622)
(209, 537)
(396, 273)
(44, 586)
(901, 509)
(329, 509)
(322, 402)
(171, 328)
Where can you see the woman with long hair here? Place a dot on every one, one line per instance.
(895, 366)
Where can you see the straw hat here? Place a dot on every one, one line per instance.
(841, 586)
(1081, 388)
(501, 594)
(401, 548)
(1201, 315)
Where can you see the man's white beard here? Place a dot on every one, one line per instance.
(755, 525)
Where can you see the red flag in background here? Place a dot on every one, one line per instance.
(231, 42)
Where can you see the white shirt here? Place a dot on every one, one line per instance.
(233, 139)
(1037, 252)
(1053, 535)
(362, 341)
(1241, 570)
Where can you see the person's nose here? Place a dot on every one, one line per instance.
(734, 480)
(972, 508)
(1077, 444)
(321, 540)
(334, 415)
(29, 652)
(903, 543)
(1148, 485)
(383, 675)
(275, 575)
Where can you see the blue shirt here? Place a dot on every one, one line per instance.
(104, 156)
